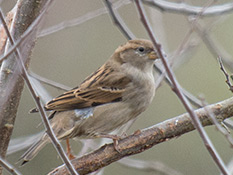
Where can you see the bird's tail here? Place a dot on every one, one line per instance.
(34, 149)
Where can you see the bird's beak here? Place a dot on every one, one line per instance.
(152, 55)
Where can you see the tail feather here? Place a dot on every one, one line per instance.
(34, 149)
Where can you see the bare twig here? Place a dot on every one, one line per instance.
(24, 36)
(118, 21)
(186, 9)
(196, 102)
(181, 96)
(80, 20)
(190, 97)
(49, 82)
(230, 165)
(11, 86)
(24, 73)
(226, 74)
(214, 48)
(8, 167)
(145, 139)
(228, 123)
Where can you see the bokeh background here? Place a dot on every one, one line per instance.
(68, 56)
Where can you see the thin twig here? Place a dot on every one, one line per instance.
(80, 20)
(24, 36)
(214, 48)
(186, 9)
(226, 74)
(181, 96)
(8, 167)
(49, 82)
(212, 45)
(196, 102)
(228, 123)
(190, 97)
(25, 75)
(118, 21)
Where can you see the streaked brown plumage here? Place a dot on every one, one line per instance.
(100, 88)
(113, 95)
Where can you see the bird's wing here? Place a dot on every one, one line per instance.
(106, 85)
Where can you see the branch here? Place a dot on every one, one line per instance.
(30, 29)
(145, 139)
(177, 90)
(77, 21)
(8, 167)
(186, 9)
(12, 83)
(25, 75)
(226, 74)
(119, 22)
(215, 49)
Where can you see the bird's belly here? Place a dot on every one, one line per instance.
(106, 118)
(103, 119)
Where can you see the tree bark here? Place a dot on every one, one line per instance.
(11, 83)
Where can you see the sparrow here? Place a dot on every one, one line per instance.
(110, 97)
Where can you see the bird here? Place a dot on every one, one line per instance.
(120, 90)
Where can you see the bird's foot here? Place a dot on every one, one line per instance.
(115, 139)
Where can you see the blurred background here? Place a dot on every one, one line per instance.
(71, 54)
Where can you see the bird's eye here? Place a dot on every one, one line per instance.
(141, 49)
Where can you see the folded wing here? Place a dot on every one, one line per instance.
(106, 85)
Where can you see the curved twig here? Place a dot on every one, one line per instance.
(186, 9)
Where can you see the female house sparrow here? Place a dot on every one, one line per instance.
(116, 93)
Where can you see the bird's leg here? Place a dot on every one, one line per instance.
(68, 150)
(115, 139)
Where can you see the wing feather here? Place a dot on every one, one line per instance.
(106, 85)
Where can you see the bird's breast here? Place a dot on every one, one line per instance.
(140, 92)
